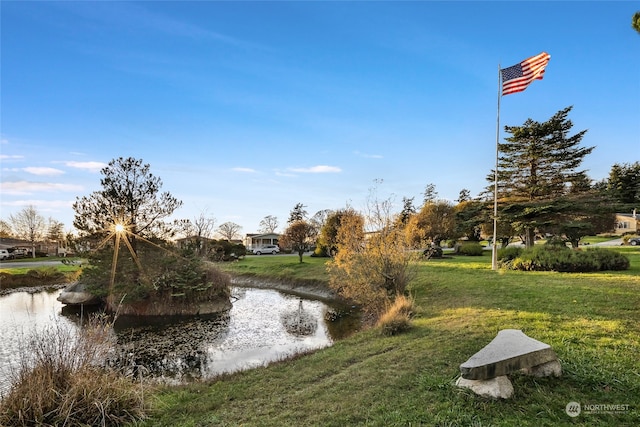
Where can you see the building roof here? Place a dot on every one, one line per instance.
(255, 236)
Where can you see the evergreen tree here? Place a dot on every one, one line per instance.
(408, 210)
(130, 197)
(298, 213)
(623, 184)
(538, 165)
(430, 194)
(469, 217)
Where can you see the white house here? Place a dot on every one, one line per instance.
(252, 241)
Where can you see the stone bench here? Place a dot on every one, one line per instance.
(510, 351)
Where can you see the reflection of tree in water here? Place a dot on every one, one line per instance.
(299, 322)
(176, 351)
(80, 314)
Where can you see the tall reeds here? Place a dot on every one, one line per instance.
(61, 379)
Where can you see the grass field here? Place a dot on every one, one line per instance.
(29, 276)
(591, 320)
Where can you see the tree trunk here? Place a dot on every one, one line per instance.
(530, 237)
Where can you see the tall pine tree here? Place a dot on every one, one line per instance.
(538, 168)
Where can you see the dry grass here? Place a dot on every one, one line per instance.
(397, 318)
(60, 381)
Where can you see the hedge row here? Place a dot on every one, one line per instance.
(562, 259)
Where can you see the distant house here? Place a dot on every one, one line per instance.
(627, 223)
(252, 241)
(43, 248)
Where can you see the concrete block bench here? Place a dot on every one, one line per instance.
(510, 351)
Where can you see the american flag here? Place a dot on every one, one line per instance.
(516, 78)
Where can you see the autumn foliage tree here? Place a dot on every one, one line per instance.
(299, 236)
(370, 268)
(433, 223)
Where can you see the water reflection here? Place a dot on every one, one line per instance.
(261, 327)
(299, 322)
(23, 314)
(174, 352)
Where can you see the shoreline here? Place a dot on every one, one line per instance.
(315, 290)
(312, 290)
(33, 289)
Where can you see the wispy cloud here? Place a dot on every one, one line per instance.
(10, 157)
(43, 171)
(245, 170)
(90, 166)
(140, 17)
(27, 187)
(317, 169)
(368, 156)
(41, 204)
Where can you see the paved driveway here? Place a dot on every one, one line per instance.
(614, 242)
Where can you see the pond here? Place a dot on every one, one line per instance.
(263, 326)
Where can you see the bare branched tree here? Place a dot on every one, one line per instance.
(5, 229)
(229, 230)
(29, 225)
(269, 224)
(200, 229)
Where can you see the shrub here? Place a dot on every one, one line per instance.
(468, 248)
(223, 250)
(163, 275)
(60, 382)
(321, 251)
(606, 259)
(509, 253)
(397, 318)
(556, 242)
(564, 259)
(46, 274)
(433, 252)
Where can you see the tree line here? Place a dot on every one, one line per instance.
(542, 190)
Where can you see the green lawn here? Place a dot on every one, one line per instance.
(51, 274)
(591, 320)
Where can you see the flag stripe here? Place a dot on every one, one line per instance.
(517, 77)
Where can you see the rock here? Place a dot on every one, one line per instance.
(76, 294)
(496, 388)
(548, 369)
(510, 351)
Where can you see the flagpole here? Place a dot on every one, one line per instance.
(494, 249)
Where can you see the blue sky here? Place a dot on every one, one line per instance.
(244, 109)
